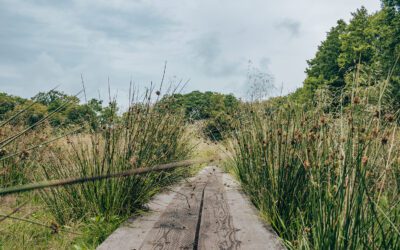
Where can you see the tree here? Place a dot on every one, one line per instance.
(55, 99)
(391, 3)
(109, 114)
(95, 105)
(216, 127)
(231, 103)
(215, 108)
(35, 113)
(324, 68)
(85, 114)
(8, 103)
(357, 42)
(368, 45)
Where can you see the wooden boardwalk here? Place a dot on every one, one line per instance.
(207, 212)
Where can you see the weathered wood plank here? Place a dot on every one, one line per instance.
(220, 216)
(131, 233)
(176, 228)
(217, 230)
(252, 232)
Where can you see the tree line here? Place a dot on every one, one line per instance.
(366, 48)
(215, 109)
(66, 109)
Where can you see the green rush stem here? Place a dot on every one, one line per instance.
(77, 180)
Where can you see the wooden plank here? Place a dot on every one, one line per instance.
(131, 234)
(176, 228)
(216, 230)
(220, 216)
(252, 232)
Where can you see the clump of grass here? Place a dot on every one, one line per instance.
(141, 137)
(21, 148)
(33, 227)
(322, 180)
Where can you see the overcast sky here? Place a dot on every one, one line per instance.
(44, 43)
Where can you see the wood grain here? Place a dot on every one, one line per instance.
(217, 230)
(210, 211)
(176, 228)
(253, 233)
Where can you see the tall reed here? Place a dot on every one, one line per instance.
(142, 137)
(322, 180)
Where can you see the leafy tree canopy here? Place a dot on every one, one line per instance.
(216, 108)
(199, 106)
(369, 43)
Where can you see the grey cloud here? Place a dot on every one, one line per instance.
(47, 42)
(16, 33)
(265, 62)
(208, 53)
(207, 48)
(292, 26)
(141, 23)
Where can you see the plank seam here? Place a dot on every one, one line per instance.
(197, 235)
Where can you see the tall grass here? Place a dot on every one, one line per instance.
(19, 144)
(142, 137)
(21, 147)
(322, 180)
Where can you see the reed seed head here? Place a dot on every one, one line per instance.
(24, 155)
(322, 120)
(375, 132)
(3, 152)
(133, 161)
(384, 140)
(306, 164)
(389, 117)
(311, 136)
(364, 160)
(54, 228)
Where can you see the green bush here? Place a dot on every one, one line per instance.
(218, 127)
